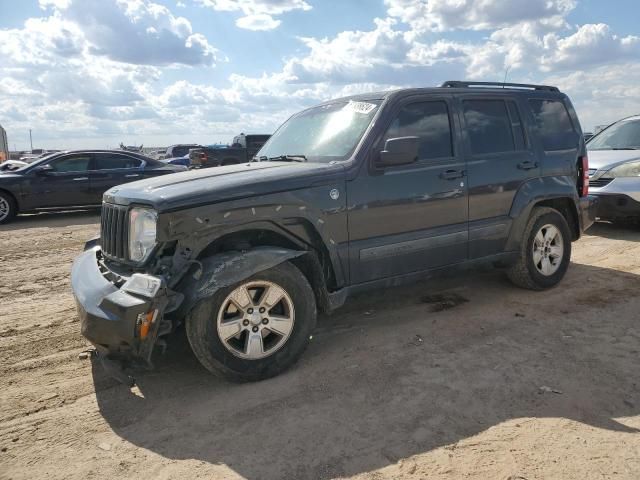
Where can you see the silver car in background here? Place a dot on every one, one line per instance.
(614, 170)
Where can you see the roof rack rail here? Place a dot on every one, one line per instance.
(459, 84)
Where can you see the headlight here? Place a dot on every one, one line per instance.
(631, 169)
(142, 233)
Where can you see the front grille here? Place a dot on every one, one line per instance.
(114, 231)
(601, 182)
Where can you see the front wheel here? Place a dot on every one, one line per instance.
(8, 208)
(545, 251)
(256, 328)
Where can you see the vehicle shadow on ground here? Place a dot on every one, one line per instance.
(53, 219)
(399, 373)
(629, 232)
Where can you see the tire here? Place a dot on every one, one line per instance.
(8, 208)
(233, 358)
(542, 269)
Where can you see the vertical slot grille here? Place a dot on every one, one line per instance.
(114, 234)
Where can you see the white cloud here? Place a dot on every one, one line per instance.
(259, 21)
(258, 14)
(111, 27)
(442, 15)
(592, 44)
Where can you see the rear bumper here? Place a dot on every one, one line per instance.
(111, 317)
(588, 211)
(617, 205)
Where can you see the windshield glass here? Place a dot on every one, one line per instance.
(37, 161)
(322, 134)
(622, 135)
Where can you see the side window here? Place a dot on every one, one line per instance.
(107, 161)
(516, 125)
(430, 122)
(75, 163)
(554, 125)
(488, 126)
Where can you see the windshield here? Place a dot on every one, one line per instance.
(322, 134)
(37, 161)
(622, 135)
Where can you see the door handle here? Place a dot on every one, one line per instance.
(132, 175)
(452, 174)
(527, 165)
(78, 179)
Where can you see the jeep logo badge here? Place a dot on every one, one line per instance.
(334, 194)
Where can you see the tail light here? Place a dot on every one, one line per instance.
(203, 158)
(583, 180)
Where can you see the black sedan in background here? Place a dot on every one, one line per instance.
(73, 179)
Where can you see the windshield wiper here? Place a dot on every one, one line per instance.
(286, 158)
(625, 148)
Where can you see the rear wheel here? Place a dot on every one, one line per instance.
(545, 251)
(256, 328)
(8, 208)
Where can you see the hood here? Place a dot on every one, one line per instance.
(212, 185)
(607, 159)
(8, 175)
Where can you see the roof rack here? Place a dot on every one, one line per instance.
(459, 84)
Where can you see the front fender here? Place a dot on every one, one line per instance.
(228, 268)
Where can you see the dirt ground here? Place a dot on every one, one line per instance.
(456, 378)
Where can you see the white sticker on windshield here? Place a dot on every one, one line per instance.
(360, 107)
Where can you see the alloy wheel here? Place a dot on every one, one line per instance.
(255, 319)
(5, 208)
(548, 250)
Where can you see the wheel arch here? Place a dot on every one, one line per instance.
(239, 253)
(557, 192)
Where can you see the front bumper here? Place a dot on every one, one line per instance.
(588, 211)
(111, 317)
(617, 205)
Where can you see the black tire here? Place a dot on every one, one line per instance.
(524, 272)
(202, 332)
(6, 199)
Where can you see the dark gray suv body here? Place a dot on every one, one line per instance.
(357, 193)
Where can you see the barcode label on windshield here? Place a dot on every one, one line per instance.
(360, 107)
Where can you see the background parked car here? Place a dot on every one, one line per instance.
(614, 174)
(180, 150)
(73, 179)
(184, 160)
(243, 148)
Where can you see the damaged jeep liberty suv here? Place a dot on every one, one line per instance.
(357, 193)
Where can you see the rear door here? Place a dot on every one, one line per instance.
(500, 159)
(67, 184)
(111, 169)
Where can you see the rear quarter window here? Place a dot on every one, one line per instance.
(554, 125)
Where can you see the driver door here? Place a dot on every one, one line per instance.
(411, 218)
(65, 185)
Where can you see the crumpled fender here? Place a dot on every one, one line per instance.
(229, 268)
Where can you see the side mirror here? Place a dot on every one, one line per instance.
(43, 170)
(399, 151)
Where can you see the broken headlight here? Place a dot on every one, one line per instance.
(142, 233)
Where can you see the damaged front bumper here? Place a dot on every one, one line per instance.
(123, 322)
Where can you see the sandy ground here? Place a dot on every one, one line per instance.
(438, 381)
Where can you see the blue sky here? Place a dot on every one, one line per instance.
(93, 73)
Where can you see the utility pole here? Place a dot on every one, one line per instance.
(31, 140)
